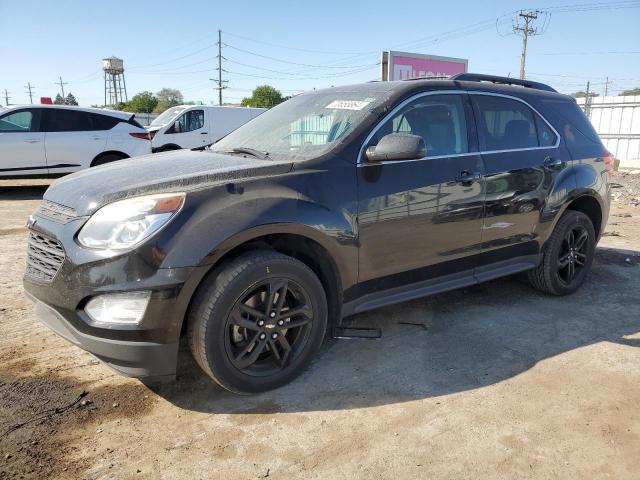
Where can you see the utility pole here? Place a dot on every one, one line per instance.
(606, 86)
(29, 91)
(524, 27)
(6, 97)
(219, 82)
(62, 84)
(587, 101)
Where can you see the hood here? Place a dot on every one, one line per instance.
(176, 171)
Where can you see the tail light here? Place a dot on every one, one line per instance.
(609, 161)
(142, 136)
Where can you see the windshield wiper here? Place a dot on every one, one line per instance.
(252, 152)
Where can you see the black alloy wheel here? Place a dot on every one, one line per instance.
(268, 327)
(572, 258)
(257, 321)
(566, 256)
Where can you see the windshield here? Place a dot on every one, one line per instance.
(166, 116)
(305, 126)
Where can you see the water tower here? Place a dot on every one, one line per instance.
(115, 88)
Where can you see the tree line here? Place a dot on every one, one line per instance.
(264, 96)
(624, 93)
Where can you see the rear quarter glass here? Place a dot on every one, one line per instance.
(568, 119)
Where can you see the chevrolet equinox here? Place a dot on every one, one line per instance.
(329, 204)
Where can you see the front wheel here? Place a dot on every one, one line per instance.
(257, 323)
(567, 257)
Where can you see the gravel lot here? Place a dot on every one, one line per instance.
(493, 381)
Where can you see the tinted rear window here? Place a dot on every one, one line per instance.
(567, 118)
(62, 120)
(103, 122)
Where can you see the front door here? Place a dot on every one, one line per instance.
(421, 220)
(21, 144)
(189, 130)
(523, 161)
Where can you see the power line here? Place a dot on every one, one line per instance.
(172, 60)
(29, 92)
(288, 62)
(594, 6)
(633, 52)
(6, 97)
(293, 75)
(336, 75)
(262, 42)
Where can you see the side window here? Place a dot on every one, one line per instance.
(546, 137)
(196, 119)
(17, 122)
(438, 119)
(506, 124)
(63, 120)
(103, 122)
(191, 120)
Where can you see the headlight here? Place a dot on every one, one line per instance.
(125, 223)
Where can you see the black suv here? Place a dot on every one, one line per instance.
(332, 203)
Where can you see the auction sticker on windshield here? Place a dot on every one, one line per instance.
(348, 104)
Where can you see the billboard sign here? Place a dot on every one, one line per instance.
(403, 65)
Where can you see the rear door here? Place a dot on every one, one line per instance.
(522, 162)
(420, 220)
(21, 144)
(71, 142)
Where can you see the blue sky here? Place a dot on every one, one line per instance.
(310, 44)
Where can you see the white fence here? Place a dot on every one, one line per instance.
(617, 121)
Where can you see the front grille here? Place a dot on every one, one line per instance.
(44, 257)
(56, 212)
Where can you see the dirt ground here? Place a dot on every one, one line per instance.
(493, 381)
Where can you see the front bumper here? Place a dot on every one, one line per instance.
(152, 361)
(148, 349)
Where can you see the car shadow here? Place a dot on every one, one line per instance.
(447, 343)
(22, 192)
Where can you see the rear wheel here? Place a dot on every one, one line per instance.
(111, 157)
(567, 257)
(258, 322)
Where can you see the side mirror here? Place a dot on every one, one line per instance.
(397, 146)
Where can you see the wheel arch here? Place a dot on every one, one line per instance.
(590, 206)
(298, 245)
(120, 154)
(167, 148)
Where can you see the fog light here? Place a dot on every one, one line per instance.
(118, 308)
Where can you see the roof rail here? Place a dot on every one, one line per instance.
(478, 77)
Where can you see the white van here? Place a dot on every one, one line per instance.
(195, 126)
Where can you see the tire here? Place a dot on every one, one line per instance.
(239, 338)
(553, 274)
(168, 148)
(111, 157)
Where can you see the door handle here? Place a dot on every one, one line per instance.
(204, 133)
(553, 162)
(32, 140)
(96, 138)
(467, 178)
